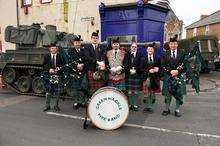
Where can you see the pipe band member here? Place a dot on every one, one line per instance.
(51, 64)
(77, 83)
(133, 64)
(172, 73)
(95, 55)
(151, 78)
(115, 58)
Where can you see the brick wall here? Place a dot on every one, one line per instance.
(214, 29)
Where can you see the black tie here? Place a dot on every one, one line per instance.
(151, 61)
(174, 56)
(53, 62)
(96, 51)
(132, 57)
(115, 54)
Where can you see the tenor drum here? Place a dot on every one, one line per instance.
(108, 108)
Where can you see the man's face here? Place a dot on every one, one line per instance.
(150, 50)
(53, 50)
(95, 39)
(173, 45)
(115, 46)
(134, 47)
(77, 44)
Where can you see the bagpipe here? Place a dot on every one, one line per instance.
(62, 74)
(188, 74)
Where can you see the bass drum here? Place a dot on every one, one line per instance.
(108, 108)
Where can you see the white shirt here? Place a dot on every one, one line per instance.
(94, 46)
(134, 53)
(175, 52)
(150, 56)
(55, 56)
(77, 50)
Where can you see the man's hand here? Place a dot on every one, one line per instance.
(101, 65)
(156, 69)
(118, 70)
(174, 73)
(151, 70)
(80, 66)
(132, 71)
(51, 71)
(113, 70)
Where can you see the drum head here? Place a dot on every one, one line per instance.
(108, 108)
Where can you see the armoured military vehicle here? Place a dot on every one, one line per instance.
(21, 68)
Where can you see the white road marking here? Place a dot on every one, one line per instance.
(142, 127)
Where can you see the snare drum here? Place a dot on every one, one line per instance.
(108, 108)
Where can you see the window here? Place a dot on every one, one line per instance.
(206, 30)
(26, 3)
(45, 1)
(194, 31)
(124, 39)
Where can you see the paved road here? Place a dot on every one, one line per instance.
(22, 123)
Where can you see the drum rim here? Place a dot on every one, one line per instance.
(101, 90)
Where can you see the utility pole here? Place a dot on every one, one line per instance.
(17, 12)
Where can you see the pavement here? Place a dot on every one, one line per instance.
(22, 122)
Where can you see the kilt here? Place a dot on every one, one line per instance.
(165, 89)
(94, 84)
(119, 85)
(53, 88)
(77, 87)
(75, 83)
(133, 84)
(146, 87)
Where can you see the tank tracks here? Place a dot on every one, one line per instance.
(13, 86)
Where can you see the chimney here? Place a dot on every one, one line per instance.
(203, 16)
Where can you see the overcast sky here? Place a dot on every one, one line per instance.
(190, 10)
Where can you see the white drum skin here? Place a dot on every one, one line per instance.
(108, 108)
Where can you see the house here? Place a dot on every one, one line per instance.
(207, 25)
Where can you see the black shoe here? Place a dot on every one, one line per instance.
(47, 108)
(166, 112)
(177, 114)
(135, 108)
(148, 110)
(56, 108)
(75, 106)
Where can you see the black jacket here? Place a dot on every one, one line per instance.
(170, 63)
(147, 66)
(91, 57)
(77, 57)
(47, 63)
(137, 63)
